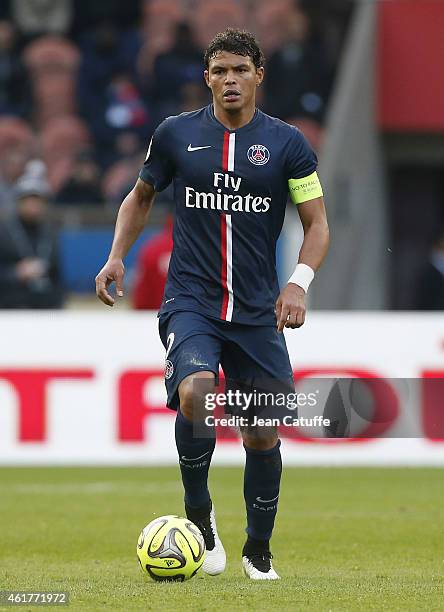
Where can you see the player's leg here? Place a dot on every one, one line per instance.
(262, 478)
(195, 453)
(258, 355)
(192, 364)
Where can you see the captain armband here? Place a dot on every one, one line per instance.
(304, 189)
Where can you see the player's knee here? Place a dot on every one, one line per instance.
(192, 392)
(258, 442)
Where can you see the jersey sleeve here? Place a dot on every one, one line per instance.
(303, 180)
(301, 159)
(158, 168)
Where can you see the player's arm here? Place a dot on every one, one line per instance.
(290, 305)
(316, 235)
(131, 219)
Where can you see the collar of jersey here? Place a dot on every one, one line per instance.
(213, 119)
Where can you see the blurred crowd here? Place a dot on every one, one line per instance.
(84, 84)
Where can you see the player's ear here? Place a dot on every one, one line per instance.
(259, 75)
(207, 77)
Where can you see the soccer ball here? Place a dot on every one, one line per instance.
(171, 548)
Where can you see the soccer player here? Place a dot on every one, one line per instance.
(232, 167)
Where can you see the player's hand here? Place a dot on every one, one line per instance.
(290, 307)
(112, 271)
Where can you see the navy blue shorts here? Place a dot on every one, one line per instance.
(247, 353)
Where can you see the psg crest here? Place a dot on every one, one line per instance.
(258, 154)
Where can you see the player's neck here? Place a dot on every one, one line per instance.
(235, 119)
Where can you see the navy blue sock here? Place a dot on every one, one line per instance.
(194, 460)
(262, 479)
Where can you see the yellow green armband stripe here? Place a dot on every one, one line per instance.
(304, 189)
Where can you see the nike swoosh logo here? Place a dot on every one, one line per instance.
(194, 458)
(170, 300)
(190, 148)
(266, 501)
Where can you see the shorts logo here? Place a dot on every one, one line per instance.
(258, 154)
(169, 369)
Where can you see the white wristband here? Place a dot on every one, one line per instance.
(302, 276)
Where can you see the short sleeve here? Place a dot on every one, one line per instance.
(158, 168)
(301, 159)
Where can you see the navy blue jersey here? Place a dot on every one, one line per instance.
(230, 191)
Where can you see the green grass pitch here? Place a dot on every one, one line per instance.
(345, 539)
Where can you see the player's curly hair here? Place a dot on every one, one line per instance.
(235, 41)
